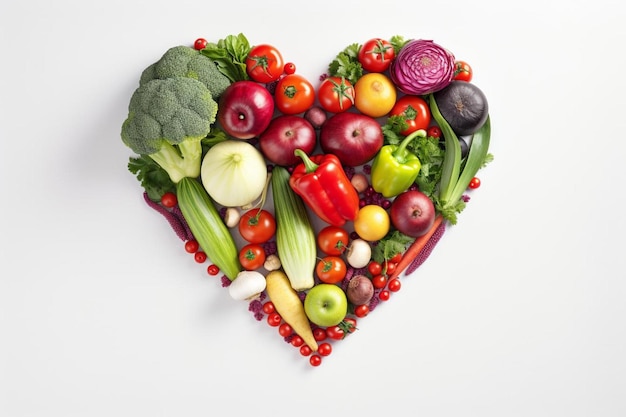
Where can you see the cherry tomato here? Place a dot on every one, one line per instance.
(333, 240)
(319, 334)
(324, 349)
(394, 285)
(290, 68)
(192, 246)
(200, 257)
(200, 44)
(315, 360)
(305, 350)
(362, 310)
(296, 341)
(268, 307)
(384, 295)
(285, 329)
(390, 267)
(374, 268)
(348, 324)
(331, 269)
(264, 63)
(395, 258)
(463, 71)
(294, 94)
(434, 132)
(335, 332)
(335, 94)
(379, 281)
(474, 183)
(274, 319)
(376, 55)
(169, 199)
(252, 256)
(414, 110)
(213, 269)
(257, 225)
(375, 94)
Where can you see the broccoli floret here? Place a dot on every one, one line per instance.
(184, 61)
(167, 120)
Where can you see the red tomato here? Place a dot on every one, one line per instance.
(474, 183)
(390, 267)
(434, 132)
(384, 295)
(294, 94)
(296, 341)
(376, 55)
(257, 225)
(285, 329)
(200, 257)
(415, 112)
(379, 281)
(396, 258)
(319, 334)
(289, 68)
(252, 256)
(335, 332)
(333, 240)
(331, 269)
(362, 310)
(192, 246)
(394, 285)
(213, 269)
(324, 349)
(463, 71)
(335, 94)
(315, 360)
(268, 307)
(264, 63)
(274, 319)
(169, 199)
(374, 268)
(200, 44)
(305, 350)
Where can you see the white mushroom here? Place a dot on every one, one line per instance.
(247, 285)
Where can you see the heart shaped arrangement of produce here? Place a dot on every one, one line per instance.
(310, 199)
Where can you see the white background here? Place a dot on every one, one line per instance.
(519, 311)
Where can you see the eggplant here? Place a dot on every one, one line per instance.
(463, 105)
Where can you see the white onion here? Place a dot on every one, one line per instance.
(233, 173)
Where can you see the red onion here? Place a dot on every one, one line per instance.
(422, 67)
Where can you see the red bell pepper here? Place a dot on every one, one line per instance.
(323, 185)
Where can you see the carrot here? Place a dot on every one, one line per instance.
(415, 248)
(289, 306)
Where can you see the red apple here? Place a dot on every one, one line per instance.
(413, 213)
(283, 136)
(354, 137)
(245, 109)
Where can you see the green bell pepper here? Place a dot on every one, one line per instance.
(395, 168)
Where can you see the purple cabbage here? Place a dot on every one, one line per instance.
(422, 67)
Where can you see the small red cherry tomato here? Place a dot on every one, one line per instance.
(290, 68)
(433, 132)
(200, 257)
(474, 183)
(315, 360)
(325, 349)
(362, 310)
(463, 71)
(394, 285)
(213, 269)
(200, 44)
(274, 319)
(192, 246)
(268, 307)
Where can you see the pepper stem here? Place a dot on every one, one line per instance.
(309, 165)
(401, 149)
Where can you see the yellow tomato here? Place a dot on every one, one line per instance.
(372, 222)
(374, 94)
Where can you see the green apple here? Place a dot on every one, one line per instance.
(326, 305)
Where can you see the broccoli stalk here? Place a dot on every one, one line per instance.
(181, 161)
(167, 120)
